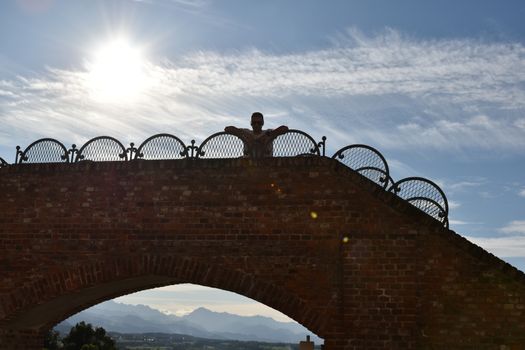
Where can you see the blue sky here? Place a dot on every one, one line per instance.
(438, 87)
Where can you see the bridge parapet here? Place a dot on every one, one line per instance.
(365, 160)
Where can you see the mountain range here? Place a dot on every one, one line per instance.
(203, 323)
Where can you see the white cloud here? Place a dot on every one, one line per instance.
(386, 64)
(399, 169)
(192, 3)
(458, 222)
(520, 123)
(522, 192)
(453, 204)
(489, 195)
(388, 91)
(516, 226)
(508, 247)
(454, 222)
(456, 186)
(189, 3)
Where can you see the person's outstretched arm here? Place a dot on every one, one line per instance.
(233, 130)
(276, 132)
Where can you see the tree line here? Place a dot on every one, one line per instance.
(81, 337)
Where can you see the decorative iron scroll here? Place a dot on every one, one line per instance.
(43, 151)
(161, 146)
(221, 145)
(425, 195)
(102, 149)
(367, 161)
(295, 143)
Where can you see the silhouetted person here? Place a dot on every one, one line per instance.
(257, 142)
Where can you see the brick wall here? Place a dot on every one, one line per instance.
(306, 236)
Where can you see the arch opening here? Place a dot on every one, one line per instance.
(192, 310)
(124, 276)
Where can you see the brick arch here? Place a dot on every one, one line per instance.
(104, 279)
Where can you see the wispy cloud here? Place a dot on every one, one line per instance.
(189, 3)
(516, 226)
(198, 8)
(460, 186)
(451, 71)
(522, 192)
(453, 204)
(192, 3)
(465, 185)
(489, 195)
(458, 222)
(507, 247)
(453, 222)
(389, 91)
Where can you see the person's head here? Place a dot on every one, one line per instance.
(257, 121)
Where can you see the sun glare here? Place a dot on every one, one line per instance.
(116, 72)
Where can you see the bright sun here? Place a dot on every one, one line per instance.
(116, 72)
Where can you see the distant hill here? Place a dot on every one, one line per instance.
(203, 323)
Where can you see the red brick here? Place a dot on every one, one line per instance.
(401, 282)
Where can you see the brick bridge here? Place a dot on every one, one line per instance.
(307, 236)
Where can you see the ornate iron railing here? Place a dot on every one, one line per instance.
(42, 151)
(367, 161)
(364, 160)
(295, 143)
(221, 145)
(425, 195)
(160, 146)
(102, 149)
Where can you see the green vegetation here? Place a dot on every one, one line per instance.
(81, 337)
(52, 340)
